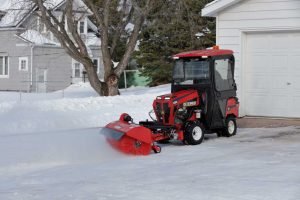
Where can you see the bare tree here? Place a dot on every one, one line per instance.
(111, 18)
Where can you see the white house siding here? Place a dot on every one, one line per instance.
(250, 16)
(15, 48)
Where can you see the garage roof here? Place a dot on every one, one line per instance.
(211, 9)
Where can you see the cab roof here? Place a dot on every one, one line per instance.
(206, 52)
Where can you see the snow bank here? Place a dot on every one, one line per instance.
(80, 107)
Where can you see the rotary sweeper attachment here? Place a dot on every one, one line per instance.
(203, 100)
(128, 137)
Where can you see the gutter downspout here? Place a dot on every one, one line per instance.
(31, 66)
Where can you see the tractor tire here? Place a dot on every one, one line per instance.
(230, 127)
(194, 133)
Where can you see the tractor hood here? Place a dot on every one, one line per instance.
(166, 105)
(180, 97)
(186, 97)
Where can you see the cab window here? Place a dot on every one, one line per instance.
(223, 75)
(191, 71)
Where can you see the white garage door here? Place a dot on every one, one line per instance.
(272, 74)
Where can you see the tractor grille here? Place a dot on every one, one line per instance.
(167, 112)
(158, 112)
(162, 112)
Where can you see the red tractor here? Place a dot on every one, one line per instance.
(202, 100)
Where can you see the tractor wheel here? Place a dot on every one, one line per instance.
(156, 149)
(230, 127)
(194, 133)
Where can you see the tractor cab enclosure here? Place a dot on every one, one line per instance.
(211, 74)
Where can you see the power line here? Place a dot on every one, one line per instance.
(46, 54)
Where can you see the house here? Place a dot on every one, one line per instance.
(31, 58)
(265, 38)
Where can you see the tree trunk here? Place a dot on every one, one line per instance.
(94, 80)
(107, 88)
(112, 84)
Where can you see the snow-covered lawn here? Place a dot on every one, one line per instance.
(80, 108)
(51, 149)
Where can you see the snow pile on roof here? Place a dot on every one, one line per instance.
(16, 11)
(49, 4)
(92, 40)
(5, 5)
(36, 38)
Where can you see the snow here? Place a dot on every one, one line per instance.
(92, 40)
(15, 11)
(4, 5)
(65, 113)
(36, 38)
(49, 4)
(115, 64)
(129, 27)
(199, 34)
(50, 148)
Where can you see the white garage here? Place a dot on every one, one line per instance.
(265, 38)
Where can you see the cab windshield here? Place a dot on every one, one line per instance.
(191, 71)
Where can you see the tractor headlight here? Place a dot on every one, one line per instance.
(158, 97)
(167, 98)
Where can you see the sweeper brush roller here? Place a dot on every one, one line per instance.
(128, 138)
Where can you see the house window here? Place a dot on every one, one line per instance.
(81, 27)
(77, 70)
(4, 66)
(23, 63)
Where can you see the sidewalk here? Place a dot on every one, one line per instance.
(259, 122)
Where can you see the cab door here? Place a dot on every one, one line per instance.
(224, 87)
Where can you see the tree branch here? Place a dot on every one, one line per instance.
(72, 26)
(121, 27)
(96, 12)
(141, 15)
